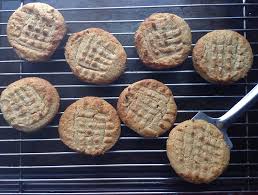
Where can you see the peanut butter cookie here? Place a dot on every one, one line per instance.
(95, 56)
(163, 40)
(222, 56)
(147, 107)
(90, 125)
(35, 31)
(197, 151)
(29, 104)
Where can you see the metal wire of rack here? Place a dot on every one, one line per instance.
(39, 163)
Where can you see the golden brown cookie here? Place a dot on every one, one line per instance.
(163, 40)
(197, 151)
(35, 31)
(29, 104)
(147, 107)
(222, 56)
(90, 125)
(95, 56)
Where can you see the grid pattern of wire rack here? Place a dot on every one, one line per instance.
(39, 163)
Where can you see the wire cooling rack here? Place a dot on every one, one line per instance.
(39, 163)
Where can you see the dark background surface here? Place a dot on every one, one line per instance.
(40, 163)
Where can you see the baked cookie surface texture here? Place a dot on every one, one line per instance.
(147, 107)
(222, 56)
(29, 104)
(197, 151)
(90, 125)
(35, 31)
(95, 56)
(163, 40)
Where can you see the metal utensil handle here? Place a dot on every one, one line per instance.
(236, 111)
